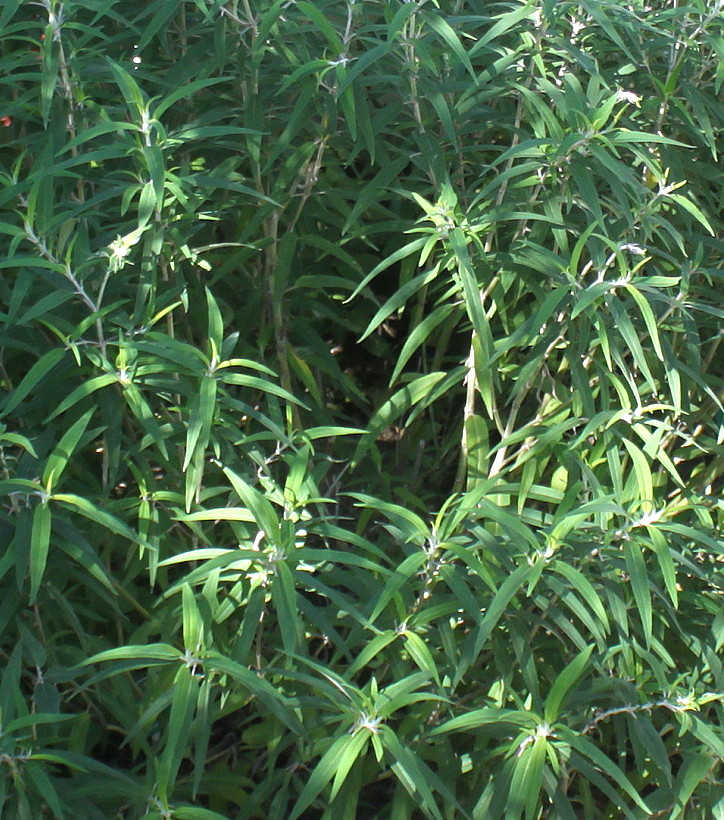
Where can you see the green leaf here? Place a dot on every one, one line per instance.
(155, 651)
(649, 319)
(628, 333)
(185, 92)
(402, 574)
(638, 575)
(372, 649)
(81, 392)
(694, 771)
(323, 25)
(583, 586)
(399, 403)
(143, 413)
(478, 451)
(642, 471)
(563, 683)
(193, 625)
(219, 514)
(39, 545)
(473, 304)
(259, 385)
(397, 256)
(508, 589)
(421, 334)
(451, 39)
(44, 785)
(269, 695)
(215, 322)
(326, 769)
(527, 779)
(45, 364)
(284, 598)
(61, 455)
(420, 653)
(398, 300)
(99, 516)
(623, 136)
(129, 87)
(666, 562)
(504, 22)
(594, 754)
(414, 774)
(486, 717)
(262, 509)
(354, 749)
(184, 688)
(201, 417)
(695, 211)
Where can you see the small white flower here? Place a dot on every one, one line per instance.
(577, 27)
(633, 248)
(628, 96)
(648, 518)
(257, 540)
(372, 724)
(119, 248)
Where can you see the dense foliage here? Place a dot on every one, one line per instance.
(362, 424)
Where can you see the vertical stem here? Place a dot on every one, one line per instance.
(471, 379)
(409, 37)
(276, 311)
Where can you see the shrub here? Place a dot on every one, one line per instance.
(363, 418)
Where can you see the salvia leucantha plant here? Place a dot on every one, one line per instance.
(361, 416)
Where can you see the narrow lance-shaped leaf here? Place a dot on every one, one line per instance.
(200, 419)
(284, 598)
(398, 299)
(639, 578)
(192, 620)
(563, 684)
(451, 39)
(39, 545)
(215, 321)
(627, 331)
(143, 413)
(272, 698)
(694, 210)
(327, 768)
(81, 392)
(508, 589)
(33, 377)
(527, 778)
(354, 750)
(400, 402)
(642, 471)
(648, 316)
(420, 653)
(99, 516)
(183, 704)
(666, 562)
(414, 774)
(261, 508)
(473, 303)
(584, 746)
(38, 776)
